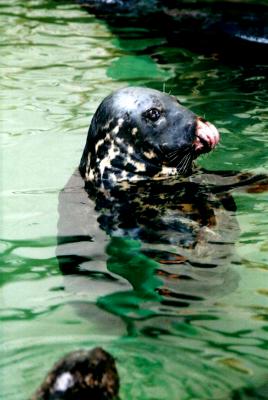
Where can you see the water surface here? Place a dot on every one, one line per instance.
(58, 63)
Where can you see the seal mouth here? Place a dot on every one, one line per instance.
(207, 136)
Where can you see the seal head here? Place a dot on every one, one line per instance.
(82, 374)
(140, 133)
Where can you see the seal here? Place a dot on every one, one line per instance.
(230, 29)
(139, 153)
(140, 133)
(140, 218)
(81, 374)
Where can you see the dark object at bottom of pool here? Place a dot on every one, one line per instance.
(232, 30)
(81, 375)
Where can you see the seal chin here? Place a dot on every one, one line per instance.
(207, 136)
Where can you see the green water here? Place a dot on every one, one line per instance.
(58, 62)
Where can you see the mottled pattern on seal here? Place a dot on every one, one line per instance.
(140, 133)
(137, 172)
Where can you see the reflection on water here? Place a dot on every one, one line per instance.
(208, 341)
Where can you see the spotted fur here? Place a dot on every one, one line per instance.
(138, 133)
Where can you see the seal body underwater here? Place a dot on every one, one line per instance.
(230, 29)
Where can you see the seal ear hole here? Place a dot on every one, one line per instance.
(153, 114)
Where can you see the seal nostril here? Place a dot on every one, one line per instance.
(207, 136)
(191, 127)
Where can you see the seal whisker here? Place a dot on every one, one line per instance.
(184, 163)
(180, 164)
(180, 151)
(173, 155)
(189, 162)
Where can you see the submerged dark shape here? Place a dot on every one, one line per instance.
(121, 7)
(81, 375)
(236, 31)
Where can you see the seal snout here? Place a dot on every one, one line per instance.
(207, 136)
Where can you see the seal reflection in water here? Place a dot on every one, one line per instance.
(141, 185)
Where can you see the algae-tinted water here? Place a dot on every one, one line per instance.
(58, 62)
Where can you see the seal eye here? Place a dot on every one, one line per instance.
(153, 114)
